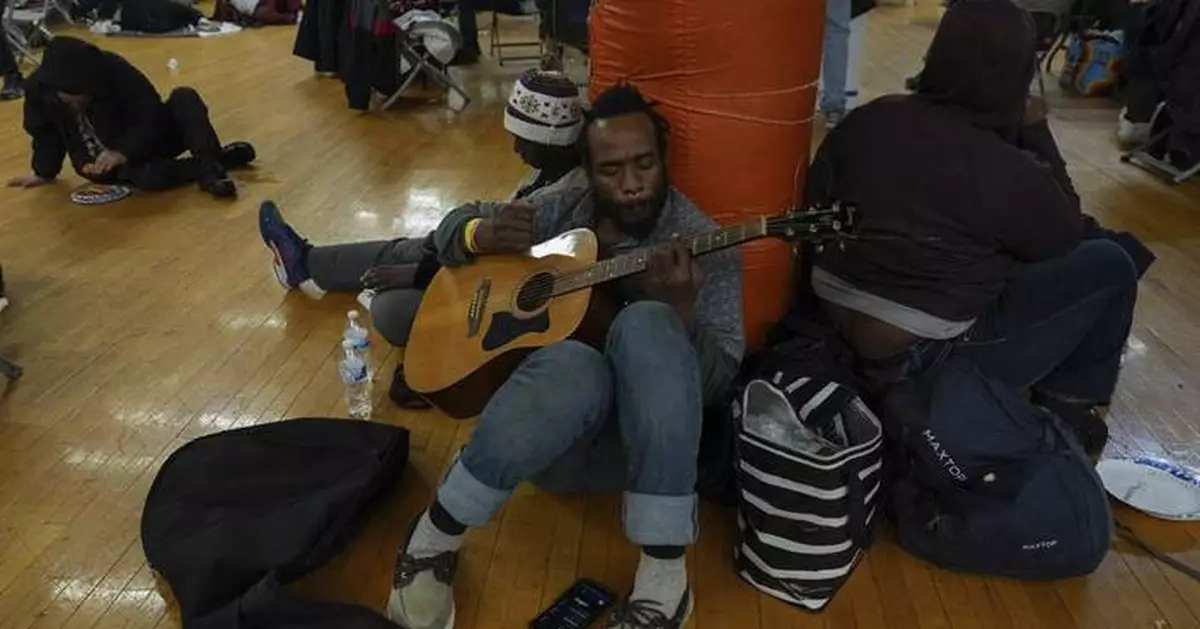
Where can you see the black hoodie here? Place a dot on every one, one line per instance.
(124, 108)
(949, 178)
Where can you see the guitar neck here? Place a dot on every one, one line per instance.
(635, 262)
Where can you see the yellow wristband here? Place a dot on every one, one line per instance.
(469, 234)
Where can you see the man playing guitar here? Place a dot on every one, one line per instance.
(626, 417)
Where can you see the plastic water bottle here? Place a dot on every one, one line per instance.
(356, 335)
(357, 385)
(173, 70)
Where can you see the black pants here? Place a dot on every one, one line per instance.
(1058, 329)
(187, 129)
(468, 27)
(8, 62)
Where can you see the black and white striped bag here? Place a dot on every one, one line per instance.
(806, 512)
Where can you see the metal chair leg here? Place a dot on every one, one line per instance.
(11, 370)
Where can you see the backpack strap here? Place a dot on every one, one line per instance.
(1127, 533)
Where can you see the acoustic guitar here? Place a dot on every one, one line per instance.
(477, 322)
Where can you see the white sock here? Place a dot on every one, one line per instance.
(311, 289)
(427, 540)
(661, 580)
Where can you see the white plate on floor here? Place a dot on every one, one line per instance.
(1156, 487)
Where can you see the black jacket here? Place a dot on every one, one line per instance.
(954, 187)
(125, 109)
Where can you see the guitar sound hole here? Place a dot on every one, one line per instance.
(535, 292)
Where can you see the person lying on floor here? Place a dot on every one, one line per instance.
(257, 12)
(543, 115)
(574, 418)
(95, 107)
(976, 242)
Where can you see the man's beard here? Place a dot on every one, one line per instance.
(647, 212)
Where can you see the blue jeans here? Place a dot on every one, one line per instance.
(561, 395)
(836, 59)
(1059, 328)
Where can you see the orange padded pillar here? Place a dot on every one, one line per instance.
(738, 82)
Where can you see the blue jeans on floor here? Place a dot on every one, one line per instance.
(648, 377)
(1059, 328)
(835, 64)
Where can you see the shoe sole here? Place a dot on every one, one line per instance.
(449, 621)
(687, 615)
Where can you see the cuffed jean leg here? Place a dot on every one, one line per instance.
(553, 399)
(656, 380)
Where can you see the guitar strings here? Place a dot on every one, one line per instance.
(548, 281)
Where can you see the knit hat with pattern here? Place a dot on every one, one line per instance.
(544, 108)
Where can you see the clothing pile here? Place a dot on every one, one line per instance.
(354, 40)
(156, 17)
(358, 42)
(432, 32)
(203, 27)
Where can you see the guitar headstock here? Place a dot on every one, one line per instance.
(814, 224)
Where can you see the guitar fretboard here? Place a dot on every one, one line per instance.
(636, 261)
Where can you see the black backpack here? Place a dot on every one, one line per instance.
(233, 517)
(983, 481)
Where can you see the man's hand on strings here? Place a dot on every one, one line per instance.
(674, 278)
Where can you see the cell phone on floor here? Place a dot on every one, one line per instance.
(577, 608)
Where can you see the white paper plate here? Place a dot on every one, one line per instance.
(1156, 487)
(99, 194)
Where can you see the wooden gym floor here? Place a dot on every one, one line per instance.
(147, 323)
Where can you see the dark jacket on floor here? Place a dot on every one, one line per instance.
(125, 109)
(957, 190)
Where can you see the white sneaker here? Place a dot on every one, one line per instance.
(424, 601)
(833, 118)
(422, 592)
(1131, 133)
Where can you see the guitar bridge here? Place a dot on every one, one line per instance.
(476, 308)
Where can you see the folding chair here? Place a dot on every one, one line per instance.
(1144, 156)
(410, 50)
(498, 45)
(17, 41)
(36, 18)
(564, 24)
(1161, 167)
(1052, 20)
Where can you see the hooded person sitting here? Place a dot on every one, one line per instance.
(971, 236)
(95, 107)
